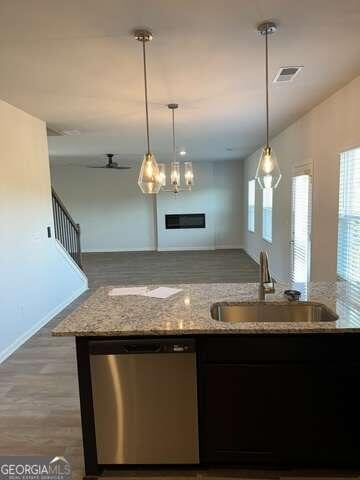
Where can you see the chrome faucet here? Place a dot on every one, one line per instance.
(266, 283)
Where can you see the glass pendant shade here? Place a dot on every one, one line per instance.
(188, 174)
(175, 174)
(162, 174)
(268, 172)
(149, 176)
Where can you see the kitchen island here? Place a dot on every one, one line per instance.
(267, 393)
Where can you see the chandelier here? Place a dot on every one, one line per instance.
(175, 166)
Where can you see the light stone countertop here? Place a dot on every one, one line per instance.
(188, 312)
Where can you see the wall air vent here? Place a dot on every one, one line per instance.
(286, 74)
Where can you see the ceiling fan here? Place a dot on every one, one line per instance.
(110, 164)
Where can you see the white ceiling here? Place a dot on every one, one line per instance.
(74, 64)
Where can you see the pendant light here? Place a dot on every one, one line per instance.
(268, 172)
(175, 167)
(148, 181)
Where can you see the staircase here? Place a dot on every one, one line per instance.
(67, 232)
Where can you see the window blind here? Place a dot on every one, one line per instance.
(251, 206)
(348, 254)
(267, 214)
(301, 228)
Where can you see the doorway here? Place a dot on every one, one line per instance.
(300, 241)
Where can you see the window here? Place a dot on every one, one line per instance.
(251, 206)
(267, 214)
(301, 228)
(348, 255)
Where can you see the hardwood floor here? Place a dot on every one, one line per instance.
(39, 404)
(170, 267)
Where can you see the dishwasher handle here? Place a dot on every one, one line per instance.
(144, 346)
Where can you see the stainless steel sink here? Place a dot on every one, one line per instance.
(291, 312)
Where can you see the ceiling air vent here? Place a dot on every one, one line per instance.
(286, 74)
(54, 133)
(70, 132)
(51, 132)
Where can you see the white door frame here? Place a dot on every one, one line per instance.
(300, 170)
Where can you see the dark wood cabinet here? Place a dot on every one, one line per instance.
(304, 411)
(282, 401)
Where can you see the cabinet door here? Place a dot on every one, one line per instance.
(272, 414)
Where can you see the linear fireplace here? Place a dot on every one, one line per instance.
(185, 220)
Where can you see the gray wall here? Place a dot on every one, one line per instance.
(113, 213)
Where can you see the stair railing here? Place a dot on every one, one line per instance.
(67, 232)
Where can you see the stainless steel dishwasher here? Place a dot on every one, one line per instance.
(145, 401)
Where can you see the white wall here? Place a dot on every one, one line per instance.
(36, 278)
(115, 216)
(319, 137)
(200, 200)
(113, 213)
(228, 207)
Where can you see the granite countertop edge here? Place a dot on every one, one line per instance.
(188, 312)
(252, 329)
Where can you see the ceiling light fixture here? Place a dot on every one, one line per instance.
(182, 153)
(175, 174)
(268, 172)
(149, 172)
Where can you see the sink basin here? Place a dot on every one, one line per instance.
(239, 312)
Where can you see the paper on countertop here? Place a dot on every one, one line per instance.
(162, 292)
(115, 292)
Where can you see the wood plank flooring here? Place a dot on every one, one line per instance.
(170, 267)
(39, 404)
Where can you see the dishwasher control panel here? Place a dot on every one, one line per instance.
(142, 346)
(181, 348)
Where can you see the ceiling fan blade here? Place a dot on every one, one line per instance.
(109, 168)
(95, 166)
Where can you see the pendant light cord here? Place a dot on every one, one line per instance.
(146, 99)
(173, 130)
(267, 85)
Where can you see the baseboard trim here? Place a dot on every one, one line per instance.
(70, 261)
(184, 249)
(166, 249)
(35, 328)
(109, 250)
(256, 259)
